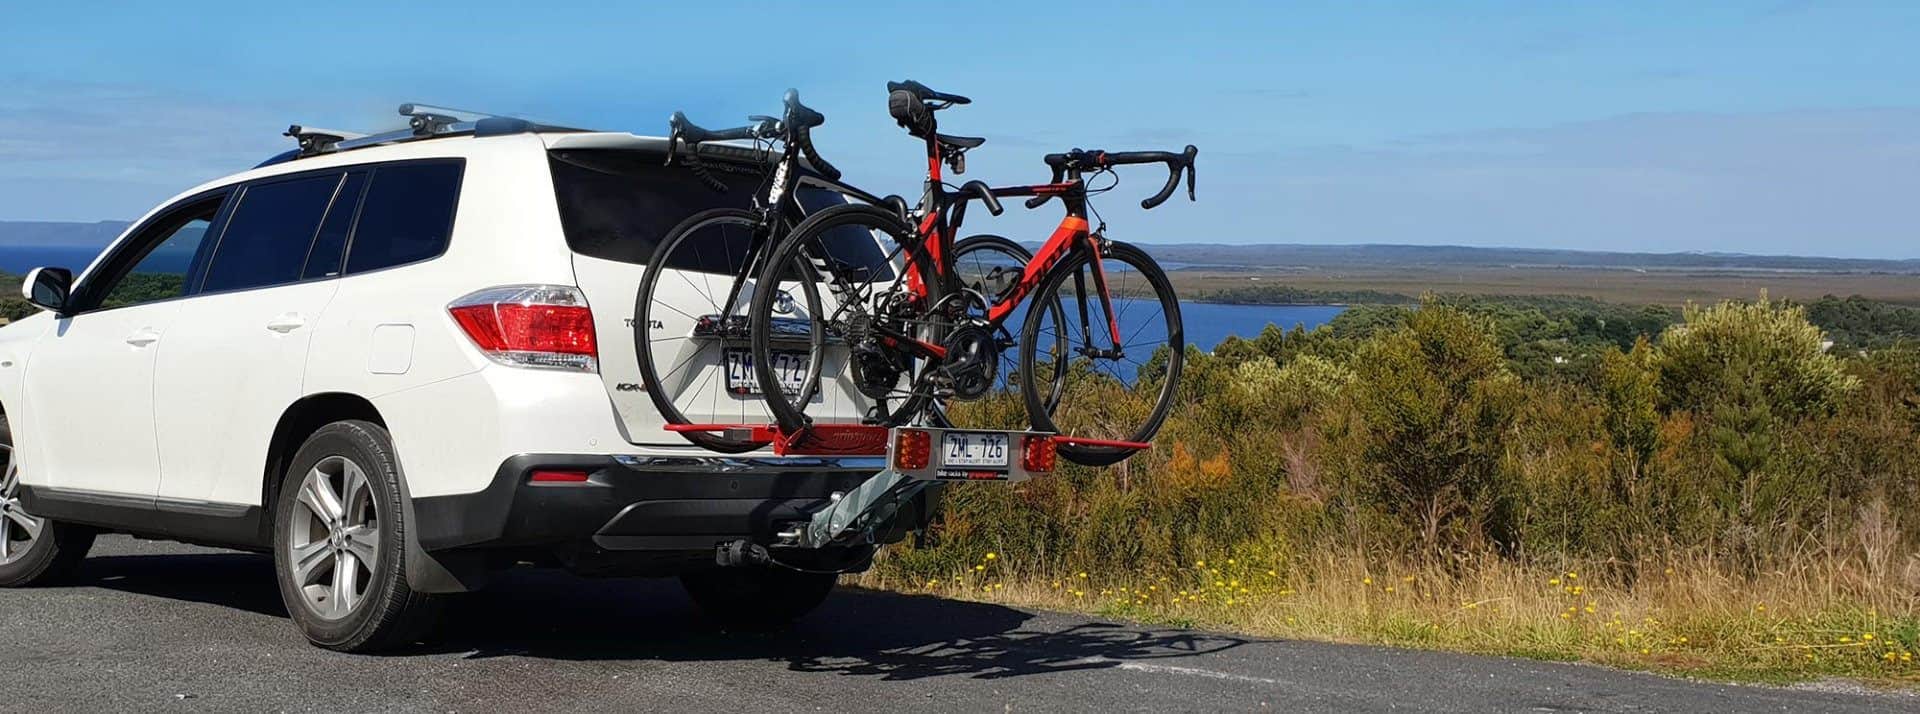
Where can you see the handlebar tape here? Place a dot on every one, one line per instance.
(804, 138)
(899, 206)
(979, 189)
(694, 134)
(700, 170)
(1176, 164)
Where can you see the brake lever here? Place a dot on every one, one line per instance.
(1191, 152)
(676, 128)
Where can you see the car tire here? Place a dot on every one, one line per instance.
(33, 550)
(757, 598)
(340, 504)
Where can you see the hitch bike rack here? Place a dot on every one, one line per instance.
(913, 465)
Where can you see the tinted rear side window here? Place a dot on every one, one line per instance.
(617, 205)
(406, 216)
(267, 237)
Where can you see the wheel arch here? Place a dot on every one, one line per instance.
(425, 572)
(300, 420)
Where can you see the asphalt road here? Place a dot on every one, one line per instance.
(169, 627)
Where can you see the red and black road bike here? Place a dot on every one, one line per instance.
(1100, 351)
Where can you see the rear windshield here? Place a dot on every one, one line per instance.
(618, 204)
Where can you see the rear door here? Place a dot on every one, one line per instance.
(235, 358)
(615, 205)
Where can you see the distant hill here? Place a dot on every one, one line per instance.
(1279, 255)
(1267, 256)
(59, 234)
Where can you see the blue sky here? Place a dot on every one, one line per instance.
(1763, 127)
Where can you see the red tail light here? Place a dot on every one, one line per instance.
(912, 449)
(548, 326)
(1038, 454)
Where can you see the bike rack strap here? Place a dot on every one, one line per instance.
(816, 440)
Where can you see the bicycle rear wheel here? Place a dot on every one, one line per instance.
(688, 332)
(867, 287)
(1107, 390)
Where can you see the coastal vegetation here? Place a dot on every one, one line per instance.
(1729, 490)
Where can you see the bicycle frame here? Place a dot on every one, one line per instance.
(937, 228)
(781, 203)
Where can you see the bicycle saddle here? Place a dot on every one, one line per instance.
(926, 94)
(961, 142)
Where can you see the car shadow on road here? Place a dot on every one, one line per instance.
(550, 614)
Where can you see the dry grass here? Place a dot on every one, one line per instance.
(1815, 618)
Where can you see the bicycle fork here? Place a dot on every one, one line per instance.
(1106, 305)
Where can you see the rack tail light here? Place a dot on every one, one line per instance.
(912, 449)
(538, 326)
(1039, 454)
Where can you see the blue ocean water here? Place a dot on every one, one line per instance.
(1208, 324)
(20, 259)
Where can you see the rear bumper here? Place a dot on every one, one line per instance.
(637, 503)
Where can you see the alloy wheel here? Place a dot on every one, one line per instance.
(18, 529)
(334, 539)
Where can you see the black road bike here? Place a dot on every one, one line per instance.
(690, 310)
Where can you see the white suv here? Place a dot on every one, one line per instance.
(398, 363)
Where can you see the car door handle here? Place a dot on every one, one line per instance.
(287, 323)
(143, 337)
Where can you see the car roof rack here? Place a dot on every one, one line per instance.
(424, 121)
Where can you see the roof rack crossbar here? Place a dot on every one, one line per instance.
(424, 121)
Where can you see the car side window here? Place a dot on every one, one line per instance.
(269, 233)
(323, 261)
(406, 215)
(166, 256)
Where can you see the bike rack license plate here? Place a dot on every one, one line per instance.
(935, 454)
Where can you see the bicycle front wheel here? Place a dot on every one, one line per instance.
(1081, 382)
